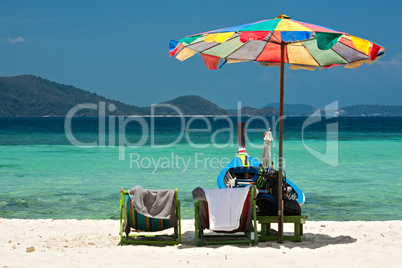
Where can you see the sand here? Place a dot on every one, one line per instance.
(94, 243)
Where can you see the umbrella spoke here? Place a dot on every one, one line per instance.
(250, 51)
(272, 53)
(185, 53)
(323, 57)
(225, 49)
(299, 54)
(348, 53)
(202, 46)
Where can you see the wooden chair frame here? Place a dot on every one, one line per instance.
(148, 238)
(298, 222)
(203, 239)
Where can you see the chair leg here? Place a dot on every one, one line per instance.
(201, 239)
(121, 222)
(121, 233)
(249, 238)
(254, 209)
(179, 220)
(196, 232)
(175, 233)
(297, 230)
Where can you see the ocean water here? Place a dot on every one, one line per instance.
(349, 168)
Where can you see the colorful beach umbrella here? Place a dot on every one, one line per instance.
(307, 46)
(275, 42)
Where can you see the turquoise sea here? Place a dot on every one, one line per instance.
(43, 175)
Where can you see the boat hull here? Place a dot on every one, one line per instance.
(236, 174)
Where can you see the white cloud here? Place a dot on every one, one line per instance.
(18, 39)
(395, 62)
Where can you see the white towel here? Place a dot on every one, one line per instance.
(225, 207)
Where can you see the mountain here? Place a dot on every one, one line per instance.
(190, 105)
(293, 109)
(28, 95)
(232, 111)
(268, 111)
(372, 110)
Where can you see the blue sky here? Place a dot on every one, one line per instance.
(119, 49)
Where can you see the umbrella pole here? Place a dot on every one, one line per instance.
(280, 179)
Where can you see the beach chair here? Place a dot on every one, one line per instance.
(297, 220)
(135, 228)
(248, 224)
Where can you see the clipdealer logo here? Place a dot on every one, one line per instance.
(108, 136)
(331, 154)
(176, 161)
(147, 129)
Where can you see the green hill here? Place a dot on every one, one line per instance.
(267, 111)
(294, 109)
(29, 95)
(191, 105)
(373, 110)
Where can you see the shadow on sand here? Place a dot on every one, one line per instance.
(313, 241)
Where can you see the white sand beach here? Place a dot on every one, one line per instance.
(94, 243)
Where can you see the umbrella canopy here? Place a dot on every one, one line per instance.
(307, 46)
(266, 149)
(274, 43)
